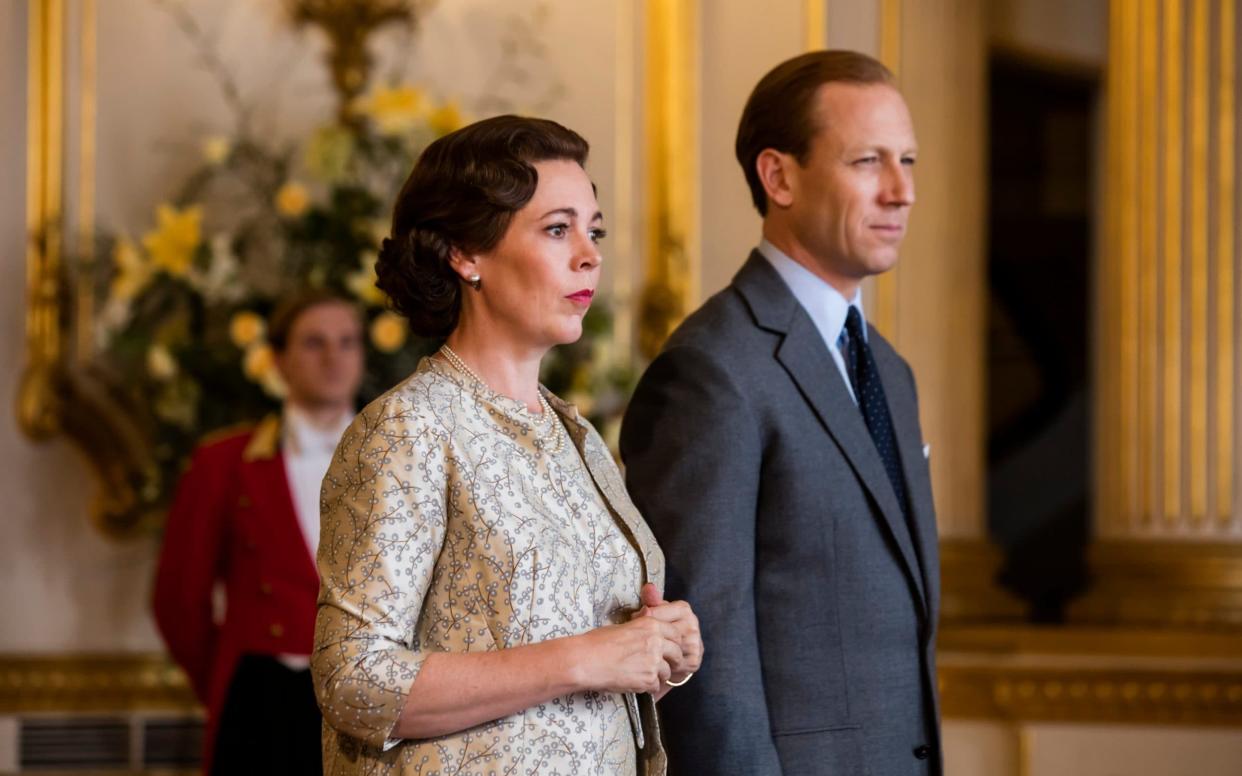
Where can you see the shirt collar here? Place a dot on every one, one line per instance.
(300, 436)
(825, 304)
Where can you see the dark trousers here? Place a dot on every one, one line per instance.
(270, 723)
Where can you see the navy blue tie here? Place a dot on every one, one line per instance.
(870, 395)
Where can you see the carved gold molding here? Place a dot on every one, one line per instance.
(1140, 697)
(93, 683)
(671, 197)
(1163, 583)
(1000, 673)
(1091, 675)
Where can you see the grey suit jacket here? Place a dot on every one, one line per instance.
(780, 526)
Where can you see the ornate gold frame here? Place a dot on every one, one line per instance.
(1091, 675)
(59, 392)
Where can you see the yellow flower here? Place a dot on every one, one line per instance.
(395, 110)
(259, 365)
(362, 282)
(133, 272)
(292, 200)
(447, 118)
(172, 244)
(273, 384)
(177, 402)
(328, 153)
(258, 361)
(160, 363)
(246, 328)
(216, 149)
(388, 332)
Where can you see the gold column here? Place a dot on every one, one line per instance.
(671, 130)
(815, 24)
(37, 412)
(1226, 328)
(1171, 358)
(1170, 538)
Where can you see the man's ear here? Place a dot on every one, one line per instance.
(776, 174)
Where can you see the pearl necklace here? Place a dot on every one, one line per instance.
(557, 429)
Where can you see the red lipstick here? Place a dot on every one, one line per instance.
(582, 297)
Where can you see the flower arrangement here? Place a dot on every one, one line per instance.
(183, 306)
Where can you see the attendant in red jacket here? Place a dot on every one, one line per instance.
(246, 518)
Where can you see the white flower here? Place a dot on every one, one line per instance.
(220, 282)
(112, 318)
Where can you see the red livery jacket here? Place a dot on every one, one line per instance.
(233, 520)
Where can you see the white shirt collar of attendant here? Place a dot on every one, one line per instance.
(825, 304)
(300, 435)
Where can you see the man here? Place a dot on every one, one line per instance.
(246, 516)
(774, 446)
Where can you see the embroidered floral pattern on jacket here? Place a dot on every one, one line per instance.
(446, 526)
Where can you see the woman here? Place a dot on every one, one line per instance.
(490, 597)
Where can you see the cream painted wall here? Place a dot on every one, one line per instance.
(734, 58)
(158, 103)
(1115, 750)
(978, 748)
(941, 278)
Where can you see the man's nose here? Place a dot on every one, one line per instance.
(898, 190)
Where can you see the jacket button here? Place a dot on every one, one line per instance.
(277, 630)
(922, 751)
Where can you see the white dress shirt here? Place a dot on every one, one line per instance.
(307, 450)
(825, 304)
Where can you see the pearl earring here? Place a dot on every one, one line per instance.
(475, 281)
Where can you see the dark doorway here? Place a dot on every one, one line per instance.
(1041, 165)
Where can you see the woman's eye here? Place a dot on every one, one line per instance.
(598, 234)
(908, 161)
(867, 160)
(557, 230)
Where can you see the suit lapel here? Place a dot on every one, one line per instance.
(805, 357)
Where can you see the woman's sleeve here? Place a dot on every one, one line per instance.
(383, 520)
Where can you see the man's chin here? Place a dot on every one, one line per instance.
(882, 261)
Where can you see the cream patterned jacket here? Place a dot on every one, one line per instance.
(447, 527)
